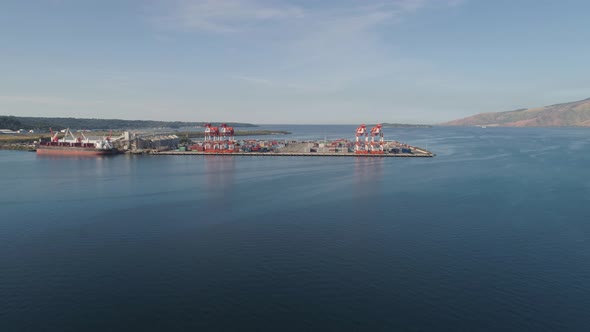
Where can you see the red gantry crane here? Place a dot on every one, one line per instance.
(377, 147)
(228, 138)
(360, 132)
(212, 137)
(54, 137)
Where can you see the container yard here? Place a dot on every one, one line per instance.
(367, 143)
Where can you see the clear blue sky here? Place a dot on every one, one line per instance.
(280, 61)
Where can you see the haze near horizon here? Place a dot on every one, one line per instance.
(259, 61)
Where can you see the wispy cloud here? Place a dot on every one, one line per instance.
(322, 46)
(224, 16)
(47, 101)
(252, 79)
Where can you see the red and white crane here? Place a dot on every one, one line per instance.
(212, 137)
(54, 137)
(70, 139)
(360, 132)
(211, 133)
(377, 132)
(227, 133)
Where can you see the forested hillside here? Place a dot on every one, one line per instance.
(18, 122)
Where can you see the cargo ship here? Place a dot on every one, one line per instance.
(75, 146)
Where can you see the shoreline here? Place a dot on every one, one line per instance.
(18, 147)
(425, 154)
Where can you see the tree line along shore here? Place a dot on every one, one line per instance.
(43, 124)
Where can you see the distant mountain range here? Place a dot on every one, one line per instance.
(575, 113)
(22, 122)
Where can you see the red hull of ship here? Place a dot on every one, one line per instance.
(72, 151)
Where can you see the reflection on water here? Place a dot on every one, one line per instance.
(75, 157)
(69, 168)
(491, 234)
(368, 176)
(220, 178)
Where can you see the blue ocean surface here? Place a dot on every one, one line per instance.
(492, 234)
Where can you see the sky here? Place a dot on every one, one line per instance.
(299, 62)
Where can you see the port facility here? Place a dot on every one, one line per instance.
(367, 143)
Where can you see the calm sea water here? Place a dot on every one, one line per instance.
(493, 234)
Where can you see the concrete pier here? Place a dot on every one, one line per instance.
(265, 148)
(420, 153)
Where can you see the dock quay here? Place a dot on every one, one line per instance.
(220, 142)
(294, 154)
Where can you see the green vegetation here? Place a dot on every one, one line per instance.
(10, 122)
(25, 138)
(20, 142)
(19, 122)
